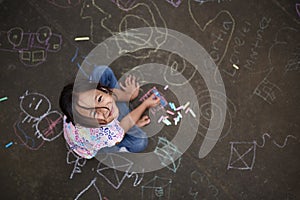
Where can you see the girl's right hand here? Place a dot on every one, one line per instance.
(152, 101)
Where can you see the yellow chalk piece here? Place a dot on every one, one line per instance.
(82, 38)
(235, 66)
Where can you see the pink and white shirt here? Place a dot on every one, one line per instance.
(86, 142)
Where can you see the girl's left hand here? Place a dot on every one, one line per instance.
(131, 87)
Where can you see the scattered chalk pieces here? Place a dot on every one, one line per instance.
(166, 87)
(82, 38)
(192, 113)
(179, 114)
(3, 99)
(186, 105)
(166, 122)
(8, 145)
(179, 108)
(160, 119)
(235, 66)
(187, 110)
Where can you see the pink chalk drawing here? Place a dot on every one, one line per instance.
(31, 47)
(298, 9)
(174, 3)
(37, 124)
(65, 3)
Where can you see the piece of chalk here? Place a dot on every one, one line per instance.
(8, 145)
(166, 122)
(187, 110)
(186, 105)
(179, 114)
(166, 87)
(192, 113)
(82, 38)
(3, 99)
(161, 118)
(179, 108)
(235, 66)
(172, 105)
(170, 112)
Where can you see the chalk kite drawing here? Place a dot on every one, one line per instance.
(37, 123)
(65, 3)
(102, 21)
(157, 189)
(32, 47)
(73, 158)
(242, 160)
(167, 153)
(119, 170)
(266, 89)
(226, 23)
(174, 3)
(242, 154)
(92, 185)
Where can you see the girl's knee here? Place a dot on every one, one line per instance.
(140, 145)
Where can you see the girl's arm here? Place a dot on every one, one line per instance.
(130, 120)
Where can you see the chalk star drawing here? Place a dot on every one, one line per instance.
(157, 188)
(116, 174)
(93, 186)
(242, 160)
(167, 152)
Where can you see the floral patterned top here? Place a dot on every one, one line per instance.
(86, 142)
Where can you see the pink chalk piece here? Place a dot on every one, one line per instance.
(179, 108)
(187, 110)
(170, 112)
(298, 9)
(166, 117)
(166, 87)
(160, 119)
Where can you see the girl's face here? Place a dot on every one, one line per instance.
(97, 104)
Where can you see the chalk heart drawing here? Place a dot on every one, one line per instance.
(101, 21)
(37, 123)
(221, 38)
(193, 53)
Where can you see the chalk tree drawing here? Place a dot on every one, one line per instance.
(32, 47)
(226, 24)
(157, 188)
(119, 171)
(37, 123)
(267, 90)
(65, 3)
(167, 153)
(203, 187)
(73, 158)
(101, 20)
(92, 185)
(242, 154)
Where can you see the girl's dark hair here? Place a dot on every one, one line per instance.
(69, 95)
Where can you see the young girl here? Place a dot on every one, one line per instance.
(95, 122)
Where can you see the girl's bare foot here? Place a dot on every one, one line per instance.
(143, 121)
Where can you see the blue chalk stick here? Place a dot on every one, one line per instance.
(8, 145)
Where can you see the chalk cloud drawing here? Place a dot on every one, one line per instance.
(166, 152)
(101, 20)
(32, 47)
(203, 186)
(242, 154)
(91, 186)
(77, 161)
(118, 170)
(37, 123)
(226, 24)
(65, 3)
(157, 188)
